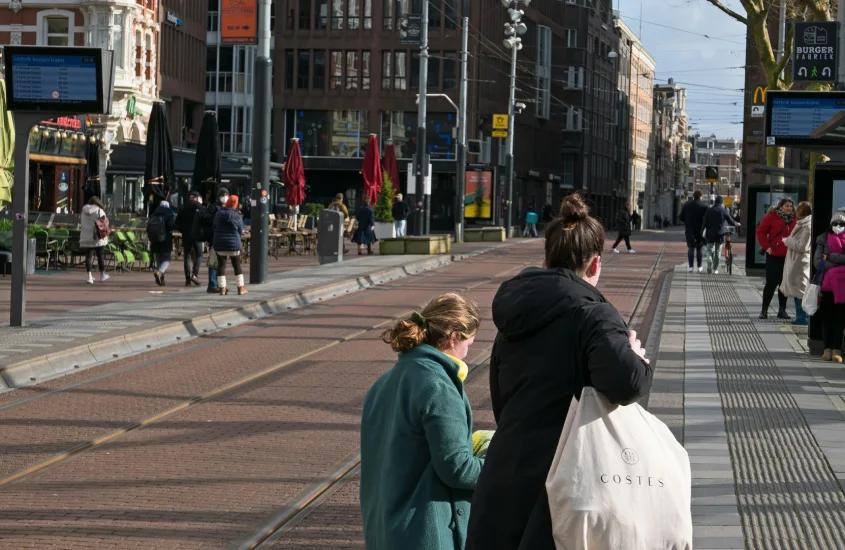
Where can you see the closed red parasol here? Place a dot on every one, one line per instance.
(372, 170)
(390, 166)
(294, 176)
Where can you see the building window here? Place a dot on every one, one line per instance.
(303, 70)
(368, 14)
(386, 69)
(319, 80)
(570, 37)
(288, 69)
(304, 14)
(352, 14)
(119, 54)
(415, 71)
(433, 73)
(544, 82)
(321, 15)
(573, 78)
(337, 70)
(352, 70)
(57, 31)
(387, 20)
(450, 18)
(434, 11)
(450, 81)
(574, 120)
(400, 71)
(365, 70)
(568, 179)
(337, 15)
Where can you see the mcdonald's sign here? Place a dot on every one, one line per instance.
(760, 95)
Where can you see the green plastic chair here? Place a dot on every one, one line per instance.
(139, 249)
(117, 257)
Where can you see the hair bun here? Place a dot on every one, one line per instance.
(573, 209)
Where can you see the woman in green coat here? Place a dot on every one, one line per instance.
(418, 470)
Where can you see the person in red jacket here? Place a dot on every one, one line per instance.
(775, 227)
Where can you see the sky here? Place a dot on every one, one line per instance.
(711, 69)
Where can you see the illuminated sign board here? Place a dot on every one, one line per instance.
(792, 117)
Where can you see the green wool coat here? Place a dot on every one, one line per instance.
(417, 467)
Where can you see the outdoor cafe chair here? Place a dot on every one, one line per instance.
(44, 247)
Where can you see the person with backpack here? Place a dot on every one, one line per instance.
(531, 219)
(203, 232)
(160, 233)
(94, 236)
(228, 228)
(715, 220)
(191, 248)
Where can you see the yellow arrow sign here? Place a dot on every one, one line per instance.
(500, 134)
(500, 122)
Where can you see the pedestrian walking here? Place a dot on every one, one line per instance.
(623, 227)
(796, 269)
(228, 228)
(830, 251)
(548, 213)
(636, 220)
(692, 216)
(531, 219)
(337, 205)
(160, 229)
(557, 334)
(715, 220)
(418, 469)
(94, 236)
(775, 227)
(365, 233)
(203, 231)
(191, 248)
(401, 211)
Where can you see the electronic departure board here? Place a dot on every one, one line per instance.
(793, 117)
(59, 80)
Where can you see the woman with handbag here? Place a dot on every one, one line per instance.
(419, 462)
(830, 256)
(775, 227)
(93, 236)
(557, 335)
(365, 235)
(796, 271)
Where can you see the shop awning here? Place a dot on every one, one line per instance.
(127, 159)
(55, 159)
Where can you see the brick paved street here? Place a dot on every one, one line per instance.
(209, 475)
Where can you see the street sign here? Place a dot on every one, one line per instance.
(711, 174)
(238, 22)
(500, 133)
(500, 122)
(410, 29)
(758, 111)
(814, 56)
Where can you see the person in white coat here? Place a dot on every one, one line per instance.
(90, 238)
(796, 271)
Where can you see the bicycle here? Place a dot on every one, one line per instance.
(729, 255)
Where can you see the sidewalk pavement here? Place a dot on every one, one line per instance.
(764, 424)
(73, 338)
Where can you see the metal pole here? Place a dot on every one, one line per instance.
(422, 157)
(841, 76)
(462, 136)
(509, 156)
(782, 33)
(262, 113)
(20, 215)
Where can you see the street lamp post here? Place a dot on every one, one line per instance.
(514, 43)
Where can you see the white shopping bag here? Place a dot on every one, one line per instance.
(810, 302)
(619, 480)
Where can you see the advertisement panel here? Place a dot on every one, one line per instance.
(238, 21)
(478, 200)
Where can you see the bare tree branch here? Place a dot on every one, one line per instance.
(729, 11)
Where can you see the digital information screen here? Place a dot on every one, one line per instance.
(54, 79)
(794, 118)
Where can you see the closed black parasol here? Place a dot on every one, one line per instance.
(159, 178)
(207, 164)
(91, 187)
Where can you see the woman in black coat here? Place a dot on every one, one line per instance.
(557, 334)
(365, 235)
(623, 226)
(228, 229)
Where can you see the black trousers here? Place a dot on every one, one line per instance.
(221, 265)
(620, 238)
(101, 259)
(833, 321)
(774, 276)
(192, 258)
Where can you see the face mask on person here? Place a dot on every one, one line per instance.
(223, 199)
(838, 229)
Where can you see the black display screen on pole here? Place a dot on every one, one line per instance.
(792, 117)
(54, 79)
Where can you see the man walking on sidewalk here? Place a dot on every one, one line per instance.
(191, 247)
(204, 232)
(400, 215)
(692, 214)
(623, 226)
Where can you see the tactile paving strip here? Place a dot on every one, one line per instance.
(788, 496)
